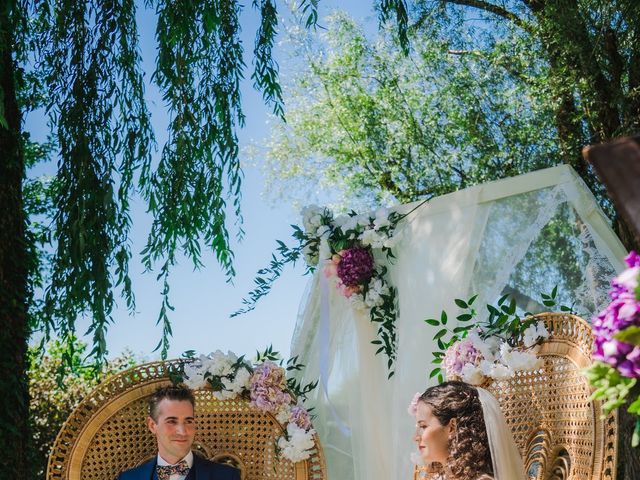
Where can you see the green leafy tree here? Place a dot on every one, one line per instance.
(58, 381)
(389, 127)
(488, 90)
(81, 61)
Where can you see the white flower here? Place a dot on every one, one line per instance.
(500, 371)
(194, 376)
(517, 360)
(377, 288)
(362, 220)
(629, 278)
(296, 448)
(219, 364)
(391, 242)
(372, 238)
(239, 382)
(323, 230)
(346, 222)
(224, 395)
(533, 333)
(488, 348)
(312, 218)
(357, 302)
(382, 218)
(471, 374)
(283, 414)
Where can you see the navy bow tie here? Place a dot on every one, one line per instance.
(165, 471)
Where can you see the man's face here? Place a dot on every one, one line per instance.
(174, 428)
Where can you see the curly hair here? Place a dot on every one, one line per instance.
(469, 454)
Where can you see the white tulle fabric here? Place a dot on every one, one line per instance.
(505, 456)
(483, 240)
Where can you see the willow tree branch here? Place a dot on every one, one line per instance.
(494, 9)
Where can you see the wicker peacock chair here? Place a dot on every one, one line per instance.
(559, 431)
(107, 433)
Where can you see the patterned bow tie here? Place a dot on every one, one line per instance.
(165, 471)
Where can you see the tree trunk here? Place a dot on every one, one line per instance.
(14, 396)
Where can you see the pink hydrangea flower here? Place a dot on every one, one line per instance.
(300, 417)
(267, 387)
(459, 354)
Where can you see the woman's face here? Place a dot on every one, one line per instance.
(431, 436)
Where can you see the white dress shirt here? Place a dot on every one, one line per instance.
(188, 458)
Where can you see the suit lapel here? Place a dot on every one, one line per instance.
(197, 468)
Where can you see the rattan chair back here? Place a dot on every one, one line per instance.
(107, 433)
(560, 432)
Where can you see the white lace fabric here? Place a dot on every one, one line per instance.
(483, 240)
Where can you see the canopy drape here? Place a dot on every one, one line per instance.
(522, 235)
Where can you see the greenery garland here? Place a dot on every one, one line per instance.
(348, 248)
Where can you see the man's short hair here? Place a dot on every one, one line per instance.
(173, 392)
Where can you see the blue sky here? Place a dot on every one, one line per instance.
(202, 299)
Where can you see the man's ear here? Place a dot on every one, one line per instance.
(152, 424)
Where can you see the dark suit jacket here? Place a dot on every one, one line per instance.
(202, 470)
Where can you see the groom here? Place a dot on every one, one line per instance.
(171, 420)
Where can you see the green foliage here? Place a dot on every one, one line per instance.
(629, 335)
(611, 387)
(343, 233)
(385, 126)
(504, 321)
(488, 90)
(53, 397)
(81, 63)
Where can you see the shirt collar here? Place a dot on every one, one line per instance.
(188, 458)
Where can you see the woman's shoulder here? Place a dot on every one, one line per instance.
(484, 476)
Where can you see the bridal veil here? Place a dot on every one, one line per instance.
(505, 456)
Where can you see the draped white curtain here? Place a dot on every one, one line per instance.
(522, 235)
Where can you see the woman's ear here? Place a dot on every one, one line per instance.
(453, 424)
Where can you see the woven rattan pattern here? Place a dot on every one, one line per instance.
(557, 428)
(107, 433)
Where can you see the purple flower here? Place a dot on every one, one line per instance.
(300, 417)
(633, 259)
(267, 387)
(458, 355)
(355, 267)
(621, 313)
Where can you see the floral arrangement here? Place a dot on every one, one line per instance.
(495, 349)
(347, 248)
(265, 385)
(616, 347)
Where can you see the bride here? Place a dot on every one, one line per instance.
(462, 434)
